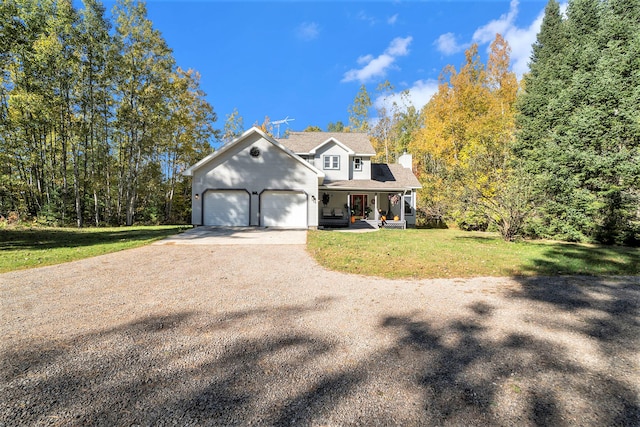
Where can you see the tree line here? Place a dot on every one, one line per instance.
(578, 122)
(556, 155)
(96, 118)
(97, 121)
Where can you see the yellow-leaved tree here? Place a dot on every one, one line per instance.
(462, 149)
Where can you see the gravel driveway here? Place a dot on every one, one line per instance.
(261, 335)
(204, 235)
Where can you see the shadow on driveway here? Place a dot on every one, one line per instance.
(261, 366)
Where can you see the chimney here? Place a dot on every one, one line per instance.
(406, 160)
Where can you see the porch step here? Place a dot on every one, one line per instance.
(364, 224)
(400, 225)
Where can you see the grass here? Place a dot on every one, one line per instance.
(424, 254)
(386, 253)
(22, 248)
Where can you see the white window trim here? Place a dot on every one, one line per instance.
(357, 164)
(333, 162)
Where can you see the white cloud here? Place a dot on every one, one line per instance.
(520, 39)
(362, 15)
(392, 19)
(419, 95)
(399, 46)
(448, 45)
(378, 66)
(364, 59)
(487, 32)
(308, 31)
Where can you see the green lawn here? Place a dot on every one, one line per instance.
(386, 253)
(39, 246)
(451, 253)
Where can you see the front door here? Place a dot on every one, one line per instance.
(358, 204)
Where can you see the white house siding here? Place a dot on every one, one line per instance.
(332, 149)
(365, 173)
(236, 169)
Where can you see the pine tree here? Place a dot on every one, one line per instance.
(540, 109)
(576, 128)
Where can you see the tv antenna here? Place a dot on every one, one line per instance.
(277, 124)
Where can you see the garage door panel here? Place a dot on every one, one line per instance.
(284, 209)
(226, 208)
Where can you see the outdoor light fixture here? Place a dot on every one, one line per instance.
(313, 198)
(197, 196)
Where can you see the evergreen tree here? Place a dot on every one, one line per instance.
(576, 133)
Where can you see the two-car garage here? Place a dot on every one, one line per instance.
(275, 208)
(253, 181)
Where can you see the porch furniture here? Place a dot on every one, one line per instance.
(333, 218)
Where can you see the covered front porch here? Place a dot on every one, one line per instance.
(362, 209)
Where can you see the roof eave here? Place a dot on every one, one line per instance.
(189, 171)
(368, 189)
(335, 141)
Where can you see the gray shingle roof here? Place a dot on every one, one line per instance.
(383, 177)
(401, 174)
(303, 142)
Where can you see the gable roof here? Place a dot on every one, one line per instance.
(306, 142)
(254, 130)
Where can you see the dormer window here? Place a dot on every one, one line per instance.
(331, 162)
(357, 164)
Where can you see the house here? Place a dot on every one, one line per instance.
(307, 180)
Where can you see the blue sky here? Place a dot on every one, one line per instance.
(306, 60)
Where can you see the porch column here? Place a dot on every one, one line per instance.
(349, 208)
(376, 215)
(404, 192)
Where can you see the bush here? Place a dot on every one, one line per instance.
(472, 220)
(426, 220)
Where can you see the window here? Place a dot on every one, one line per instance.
(357, 164)
(408, 210)
(332, 162)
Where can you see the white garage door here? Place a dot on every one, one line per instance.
(226, 208)
(284, 209)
